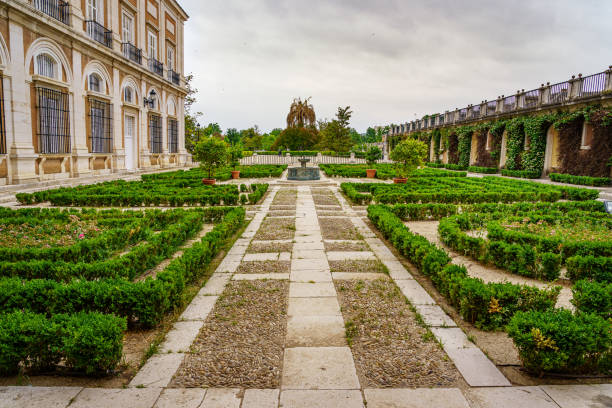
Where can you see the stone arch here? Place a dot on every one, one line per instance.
(50, 48)
(551, 155)
(97, 68)
(5, 58)
(130, 82)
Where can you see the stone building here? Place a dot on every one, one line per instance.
(90, 87)
(583, 148)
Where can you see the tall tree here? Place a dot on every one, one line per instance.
(232, 136)
(336, 135)
(191, 118)
(301, 114)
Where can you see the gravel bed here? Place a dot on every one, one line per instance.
(271, 247)
(338, 228)
(241, 343)
(346, 246)
(264, 267)
(360, 266)
(283, 213)
(328, 208)
(282, 207)
(276, 228)
(389, 347)
(325, 213)
(325, 199)
(285, 197)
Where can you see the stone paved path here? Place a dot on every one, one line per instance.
(318, 367)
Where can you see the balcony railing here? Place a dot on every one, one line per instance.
(174, 77)
(593, 86)
(99, 33)
(131, 52)
(58, 9)
(156, 67)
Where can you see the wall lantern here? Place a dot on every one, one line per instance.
(150, 101)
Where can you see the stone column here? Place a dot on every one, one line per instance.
(80, 152)
(609, 79)
(164, 162)
(183, 156)
(21, 149)
(118, 146)
(143, 135)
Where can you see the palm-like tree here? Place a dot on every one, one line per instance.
(301, 114)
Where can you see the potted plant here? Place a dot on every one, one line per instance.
(211, 153)
(372, 155)
(408, 155)
(235, 154)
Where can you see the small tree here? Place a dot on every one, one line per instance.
(235, 154)
(408, 155)
(211, 153)
(372, 155)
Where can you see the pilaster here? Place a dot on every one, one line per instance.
(118, 147)
(79, 116)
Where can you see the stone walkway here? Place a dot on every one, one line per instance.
(318, 368)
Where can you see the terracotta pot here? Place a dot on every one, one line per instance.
(235, 174)
(208, 182)
(399, 180)
(371, 173)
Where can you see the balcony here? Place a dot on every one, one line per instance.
(131, 52)
(174, 77)
(99, 33)
(58, 9)
(156, 67)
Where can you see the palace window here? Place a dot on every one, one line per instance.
(95, 83)
(53, 121)
(155, 133)
(46, 66)
(128, 94)
(100, 126)
(173, 135)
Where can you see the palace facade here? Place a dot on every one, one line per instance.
(90, 87)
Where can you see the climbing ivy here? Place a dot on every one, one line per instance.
(515, 143)
(464, 135)
(436, 135)
(535, 128)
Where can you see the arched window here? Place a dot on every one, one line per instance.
(128, 94)
(587, 136)
(46, 66)
(95, 83)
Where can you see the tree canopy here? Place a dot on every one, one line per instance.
(336, 135)
(301, 114)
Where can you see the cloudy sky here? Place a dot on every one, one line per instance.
(390, 60)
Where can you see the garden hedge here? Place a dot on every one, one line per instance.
(582, 180)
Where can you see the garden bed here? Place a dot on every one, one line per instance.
(276, 228)
(390, 348)
(345, 246)
(384, 171)
(338, 228)
(284, 197)
(262, 267)
(358, 266)
(241, 343)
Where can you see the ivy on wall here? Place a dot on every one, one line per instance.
(464, 145)
(453, 148)
(535, 128)
(436, 136)
(515, 143)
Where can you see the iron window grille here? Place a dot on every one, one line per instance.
(155, 133)
(2, 124)
(94, 83)
(131, 52)
(174, 77)
(100, 126)
(173, 135)
(99, 33)
(58, 9)
(53, 121)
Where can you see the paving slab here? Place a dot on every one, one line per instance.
(284, 256)
(199, 308)
(257, 398)
(221, 398)
(509, 397)
(313, 238)
(180, 398)
(397, 270)
(302, 253)
(321, 306)
(315, 331)
(106, 397)
(311, 289)
(321, 399)
(476, 368)
(580, 396)
(415, 398)
(312, 264)
(37, 397)
(158, 370)
(307, 246)
(358, 276)
(179, 339)
(260, 276)
(215, 285)
(311, 276)
(452, 338)
(434, 316)
(350, 256)
(267, 256)
(319, 368)
(228, 266)
(414, 292)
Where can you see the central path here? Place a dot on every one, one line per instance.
(317, 356)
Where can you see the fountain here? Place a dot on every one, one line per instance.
(303, 173)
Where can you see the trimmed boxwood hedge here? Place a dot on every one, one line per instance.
(486, 170)
(521, 173)
(582, 180)
(489, 306)
(384, 171)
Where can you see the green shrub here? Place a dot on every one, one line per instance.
(593, 297)
(590, 267)
(521, 173)
(583, 180)
(558, 341)
(486, 170)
